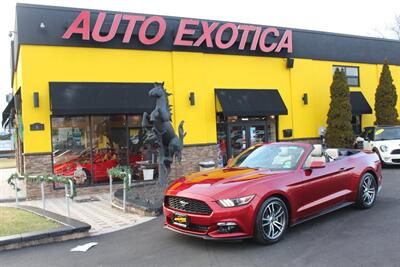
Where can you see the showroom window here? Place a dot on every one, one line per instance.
(85, 147)
(352, 74)
(109, 145)
(71, 147)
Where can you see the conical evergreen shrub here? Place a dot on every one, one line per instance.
(339, 132)
(386, 99)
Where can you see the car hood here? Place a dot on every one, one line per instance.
(391, 144)
(225, 181)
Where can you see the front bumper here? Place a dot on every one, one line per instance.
(205, 237)
(205, 226)
(390, 159)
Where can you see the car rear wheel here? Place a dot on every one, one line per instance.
(271, 222)
(367, 191)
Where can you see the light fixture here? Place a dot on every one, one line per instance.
(36, 99)
(289, 62)
(42, 25)
(192, 98)
(305, 99)
(287, 133)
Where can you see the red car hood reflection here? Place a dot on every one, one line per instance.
(220, 181)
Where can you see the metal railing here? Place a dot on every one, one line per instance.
(69, 192)
(126, 185)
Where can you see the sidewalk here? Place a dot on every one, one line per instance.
(6, 191)
(97, 213)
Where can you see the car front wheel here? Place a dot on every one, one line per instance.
(367, 190)
(271, 221)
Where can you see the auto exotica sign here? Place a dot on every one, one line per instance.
(190, 32)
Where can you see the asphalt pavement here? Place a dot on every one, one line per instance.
(348, 237)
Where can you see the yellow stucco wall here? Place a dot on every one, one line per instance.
(185, 72)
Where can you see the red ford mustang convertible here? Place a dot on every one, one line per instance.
(268, 188)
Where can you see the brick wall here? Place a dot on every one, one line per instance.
(42, 164)
(37, 164)
(191, 156)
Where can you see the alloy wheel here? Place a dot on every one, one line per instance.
(273, 220)
(368, 190)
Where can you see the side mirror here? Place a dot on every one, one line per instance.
(317, 164)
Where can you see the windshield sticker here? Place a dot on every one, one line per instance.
(378, 132)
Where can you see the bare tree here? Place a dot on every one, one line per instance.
(396, 26)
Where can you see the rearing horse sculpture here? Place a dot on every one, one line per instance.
(162, 131)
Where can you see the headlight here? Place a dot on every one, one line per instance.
(234, 202)
(383, 148)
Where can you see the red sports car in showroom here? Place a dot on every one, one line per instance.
(268, 188)
(80, 168)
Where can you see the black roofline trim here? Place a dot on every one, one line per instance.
(210, 19)
(309, 44)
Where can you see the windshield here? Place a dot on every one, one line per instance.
(272, 157)
(391, 133)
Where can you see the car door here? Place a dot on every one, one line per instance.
(322, 188)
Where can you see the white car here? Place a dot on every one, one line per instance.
(384, 140)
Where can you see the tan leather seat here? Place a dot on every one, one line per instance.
(316, 155)
(333, 153)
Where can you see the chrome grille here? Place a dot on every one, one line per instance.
(396, 151)
(187, 205)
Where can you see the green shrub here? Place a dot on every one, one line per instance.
(339, 132)
(386, 99)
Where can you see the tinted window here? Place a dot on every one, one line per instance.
(352, 74)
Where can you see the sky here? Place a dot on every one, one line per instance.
(366, 18)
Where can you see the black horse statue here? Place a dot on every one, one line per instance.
(162, 133)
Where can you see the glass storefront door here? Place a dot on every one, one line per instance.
(237, 139)
(242, 135)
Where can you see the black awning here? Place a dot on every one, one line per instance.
(85, 98)
(251, 102)
(7, 113)
(359, 104)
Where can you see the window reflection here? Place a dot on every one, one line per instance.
(108, 145)
(71, 148)
(142, 157)
(85, 147)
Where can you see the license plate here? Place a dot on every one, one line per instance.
(180, 220)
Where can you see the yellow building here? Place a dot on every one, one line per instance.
(81, 79)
